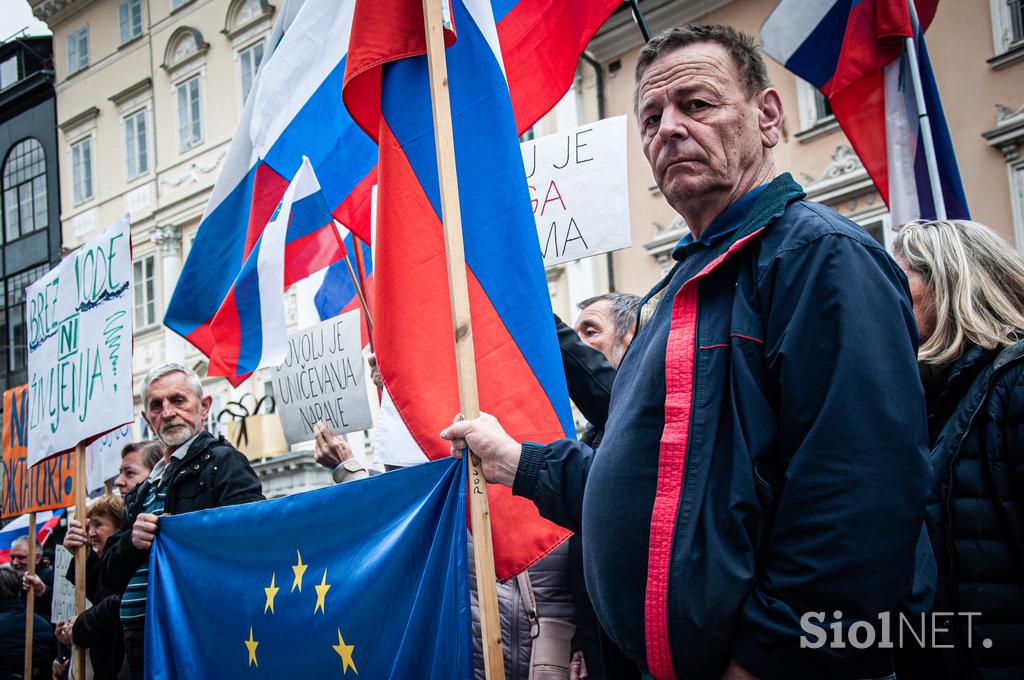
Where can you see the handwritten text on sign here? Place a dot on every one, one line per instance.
(22, 489)
(63, 607)
(322, 378)
(103, 457)
(80, 345)
(579, 191)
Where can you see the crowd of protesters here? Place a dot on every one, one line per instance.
(793, 423)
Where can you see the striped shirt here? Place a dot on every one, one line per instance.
(133, 602)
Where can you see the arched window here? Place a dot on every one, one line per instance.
(24, 190)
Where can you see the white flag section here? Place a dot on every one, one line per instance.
(270, 264)
(103, 457)
(393, 443)
(579, 190)
(79, 322)
(323, 378)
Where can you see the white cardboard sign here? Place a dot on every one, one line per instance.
(63, 607)
(579, 190)
(78, 319)
(103, 457)
(322, 378)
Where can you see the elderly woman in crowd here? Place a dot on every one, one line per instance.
(967, 286)
(99, 627)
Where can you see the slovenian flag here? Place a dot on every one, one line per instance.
(294, 110)
(854, 52)
(519, 369)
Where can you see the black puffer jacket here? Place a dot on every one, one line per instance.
(976, 511)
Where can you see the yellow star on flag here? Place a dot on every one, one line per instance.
(251, 645)
(271, 591)
(299, 570)
(321, 593)
(345, 652)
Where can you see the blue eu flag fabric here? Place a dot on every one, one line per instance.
(366, 580)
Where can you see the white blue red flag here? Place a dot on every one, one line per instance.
(46, 522)
(294, 110)
(854, 52)
(255, 305)
(509, 63)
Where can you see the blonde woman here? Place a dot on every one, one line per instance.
(967, 286)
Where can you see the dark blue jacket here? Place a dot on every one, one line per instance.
(764, 455)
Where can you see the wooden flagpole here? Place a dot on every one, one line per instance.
(80, 552)
(30, 597)
(458, 290)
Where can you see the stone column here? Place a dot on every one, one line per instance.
(167, 239)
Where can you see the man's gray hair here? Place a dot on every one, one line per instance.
(624, 308)
(23, 540)
(750, 66)
(155, 374)
(10, 583)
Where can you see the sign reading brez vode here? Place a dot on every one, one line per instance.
(78, 320)
(322, 378)
(579, 190)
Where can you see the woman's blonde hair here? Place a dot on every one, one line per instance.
(977, 280)
(110, 506)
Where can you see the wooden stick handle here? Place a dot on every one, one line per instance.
(81, 554)
(458, 290)
(30, 599)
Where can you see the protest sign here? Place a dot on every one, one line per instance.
(103, 457)
(322, 378)
(22, 489)
(579, 191)
(63, 607)
(80, 345)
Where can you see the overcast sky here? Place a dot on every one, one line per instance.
(16, 15)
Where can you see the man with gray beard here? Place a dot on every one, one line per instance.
(198, 471)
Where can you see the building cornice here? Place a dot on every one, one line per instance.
(55, 11)
(843, 179)
(131, 91)
(1008, 134)
(84, 117)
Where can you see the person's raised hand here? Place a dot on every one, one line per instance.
(498, 452)
(63, 630)
(331, 449)
(144, 531)
(76, 536)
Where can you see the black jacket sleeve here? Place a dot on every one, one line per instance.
(840, 346)
(588, 375)
(120, 559)
(98, 624)
(235, 481)
(553, 477)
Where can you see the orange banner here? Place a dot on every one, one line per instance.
(47, 486)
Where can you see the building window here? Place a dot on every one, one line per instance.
(879, 227)
(81, 171)
(145, 293)
(250, 59)
(135, 152)
(190, 131)
(815, 109)
(130, 16)
(8, 72)
(175, 4)
(1007, 27)
(24, 190)
(78, 49)
(1017, 201)
(12, 318)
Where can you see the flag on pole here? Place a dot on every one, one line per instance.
(46, 522)
(250, 328)
(294, 110)
(520, 375)
(854, 52)
(361, 580)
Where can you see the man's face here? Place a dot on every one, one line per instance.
(700, 130)
(173, 410)
(19, 558)
(133, 472)
(596, 328)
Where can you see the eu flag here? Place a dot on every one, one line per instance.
(368, 579)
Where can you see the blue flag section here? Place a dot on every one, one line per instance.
(363, 580)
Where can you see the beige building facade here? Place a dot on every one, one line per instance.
(149, 93)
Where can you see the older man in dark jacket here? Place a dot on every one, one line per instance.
(198, 472)
(764, 458)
